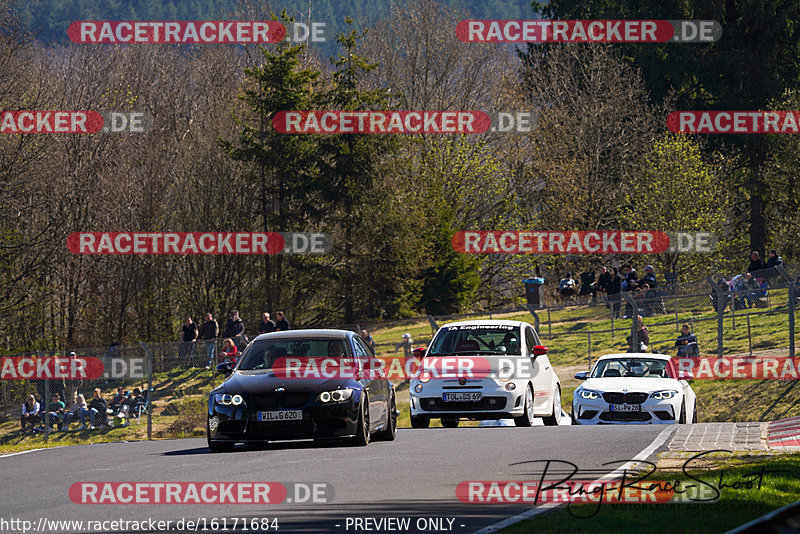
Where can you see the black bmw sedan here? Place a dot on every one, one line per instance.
(277, 392)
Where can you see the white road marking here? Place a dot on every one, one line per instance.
(533, 512)
(32, 450)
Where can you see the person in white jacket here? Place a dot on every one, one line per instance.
(30, 413)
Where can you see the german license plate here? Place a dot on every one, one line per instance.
(468, 396)
(281, 415)
(626, 408)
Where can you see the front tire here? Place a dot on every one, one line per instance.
(390, 430)
(420, 421)
(682, 419)
(218, 446)
(554, 419)
(694, 415)
(526, 419)
(361, 439)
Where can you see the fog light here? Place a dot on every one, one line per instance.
(492, 402)
(418, 388)
(431, 403)
(511, 386)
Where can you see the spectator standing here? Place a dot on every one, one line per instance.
(30, 413)
(643, 336)
(687, 343)
(97, 410)
(267, 325)
(614, 289)
(603, 281)
(229, 352)
(755, 263)
(281, 325)
(405, 344)
(55, 411)
(588, 285)
(187, 342)
(368, 340)
(566, 287)
(649, 277)
(208, 332)
(234, 329)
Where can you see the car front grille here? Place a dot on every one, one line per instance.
(625, 398)
(434, 404)
(625, 416)
(276, 402)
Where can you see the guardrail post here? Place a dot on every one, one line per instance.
(791, 290)
(149, 402)
(549, 324)
(536, 321)
(589, 345)
(434, 326)
(720, 305)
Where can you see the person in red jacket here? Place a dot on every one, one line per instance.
(229, 351)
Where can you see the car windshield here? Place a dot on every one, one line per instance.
(262, 354)
(630, 367)
(476, 339)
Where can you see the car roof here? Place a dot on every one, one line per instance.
(307, 333)
(635, 355)
(502, 322)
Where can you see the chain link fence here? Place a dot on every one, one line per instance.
(159, 390)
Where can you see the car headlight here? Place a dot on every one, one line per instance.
(337, 395)
(505, 374)
(661, 395)
(225, 399)
(588, 394)
(425, 377)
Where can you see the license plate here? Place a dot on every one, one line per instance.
(465, 396)
(281, 415)
(626, 408)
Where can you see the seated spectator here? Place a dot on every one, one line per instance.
(752, 289)
(721, 296)
(687, 343)
(755, 263)
(30, 413)
(566, 287)
(55, 411)
(76, 410)
(229, 353)
(98, 410)
(134, 403)
(649, 277)
(773, 261)
(118, 400)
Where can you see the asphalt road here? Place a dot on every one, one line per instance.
(413, 477)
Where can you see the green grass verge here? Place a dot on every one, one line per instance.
(735, 506)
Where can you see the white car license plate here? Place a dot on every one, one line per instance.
(461, 396)
(626, 408)
(284, 415)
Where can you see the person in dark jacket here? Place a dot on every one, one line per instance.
(267, 325)
(282, 325)
(755, 263)
(773, 261)
(687, 343)
(97, 409)
(208, 333)
(614, 289)
(604, 280)
(588, 285)
(234, 329)
(188, 337)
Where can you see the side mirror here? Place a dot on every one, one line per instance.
(685, 375)
(583, 375)
(538, 350)
(225, 368)
(418, 353)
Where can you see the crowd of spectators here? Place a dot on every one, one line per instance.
(98, 413)
(610, 283)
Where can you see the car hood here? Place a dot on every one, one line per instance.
(642, 384)
(259, 382)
